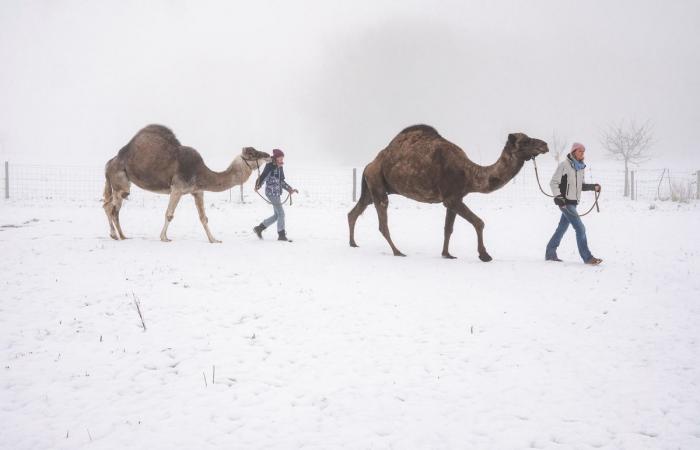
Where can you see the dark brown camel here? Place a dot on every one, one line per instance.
(155, 161)
(422, 165)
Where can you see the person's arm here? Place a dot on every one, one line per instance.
(263, 175)
(261, 179)
(590, 186)
(284, 183)
(556, 183)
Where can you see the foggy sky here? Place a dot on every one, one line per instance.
(335, 81)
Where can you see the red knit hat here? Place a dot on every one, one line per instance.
(276, 153)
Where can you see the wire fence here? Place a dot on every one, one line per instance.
(334, 185)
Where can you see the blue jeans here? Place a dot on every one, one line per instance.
(569, 216)
(278, 215)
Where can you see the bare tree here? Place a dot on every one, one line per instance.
(629, 143)
(557, 147)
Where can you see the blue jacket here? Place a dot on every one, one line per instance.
(273, 177)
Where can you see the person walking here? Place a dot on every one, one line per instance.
(273, 177)
(567, 184)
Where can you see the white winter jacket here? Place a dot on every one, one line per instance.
(568, 182)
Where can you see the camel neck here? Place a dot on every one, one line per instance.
(490, 178)
(236, 173)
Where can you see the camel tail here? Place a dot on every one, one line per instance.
(364, 191)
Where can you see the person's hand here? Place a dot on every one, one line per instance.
(559, 201)
(256, 188)
(296, 191)
(596, 188)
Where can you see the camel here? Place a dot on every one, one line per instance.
(423, 166)
(154, 160)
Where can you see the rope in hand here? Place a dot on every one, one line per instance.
(289, 197)
(537, 175)
(289, 194)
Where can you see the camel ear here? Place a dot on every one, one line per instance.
(512, 139)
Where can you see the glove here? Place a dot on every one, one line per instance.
(597, 188)
(559, 200)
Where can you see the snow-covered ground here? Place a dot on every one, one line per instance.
(313, 344)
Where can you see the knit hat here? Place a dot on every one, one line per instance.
(577, 146)
(276, 153)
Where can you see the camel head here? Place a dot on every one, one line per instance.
(250, 154)
(524, 147)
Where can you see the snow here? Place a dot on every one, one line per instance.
(313, 344)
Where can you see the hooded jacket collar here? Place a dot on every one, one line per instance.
(576, 164)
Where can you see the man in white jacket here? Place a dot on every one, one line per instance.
(567, 184)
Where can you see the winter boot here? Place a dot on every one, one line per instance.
(259, 229)
(282, 236)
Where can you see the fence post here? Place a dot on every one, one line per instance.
(354, 184)
(697, 186)
(7, 180)
(633, 192)
(241, 193)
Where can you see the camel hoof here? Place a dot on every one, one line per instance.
(398, 254)
(164, 239)
(448, 256)
(485, 257)
(215, 241)
(113, 236)
(352, 244)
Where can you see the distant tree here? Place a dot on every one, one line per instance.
(629, 143)
(557, 147)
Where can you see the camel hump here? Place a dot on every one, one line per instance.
(427, 129)
(161, 131)
(188, 160)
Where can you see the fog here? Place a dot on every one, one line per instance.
(333, 82)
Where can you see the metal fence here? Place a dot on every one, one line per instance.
(332, 185)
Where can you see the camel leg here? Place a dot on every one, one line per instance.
(450, 215)
(381, 202)
(199, 201)
(117, 201)
(464, 212)
(354, 213)
(169, 214)
(117, 187)
(112, 231)
(109, 207)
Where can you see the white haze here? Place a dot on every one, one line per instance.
(335, 81)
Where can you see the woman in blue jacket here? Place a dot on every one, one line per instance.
(273, 177)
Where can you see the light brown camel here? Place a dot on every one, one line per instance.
(155, 161)
(422, 165)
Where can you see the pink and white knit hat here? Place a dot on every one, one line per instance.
(577, 146)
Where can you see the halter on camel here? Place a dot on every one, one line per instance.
(289, 194)
(597, 193)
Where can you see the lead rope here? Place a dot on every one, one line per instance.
(289, 194)
(537, 175)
